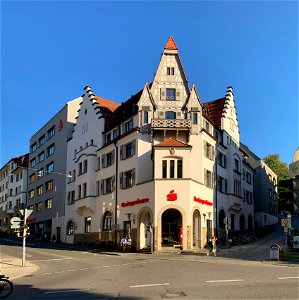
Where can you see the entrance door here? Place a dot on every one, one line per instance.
(196, 229)
(171, 224)
(58, 233)
(209, 230)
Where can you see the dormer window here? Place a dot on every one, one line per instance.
(170, 94)
(170, 71)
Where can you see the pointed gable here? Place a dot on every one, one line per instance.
(214, 110)
(172, 142)
(170, 45)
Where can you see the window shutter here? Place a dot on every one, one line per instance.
(133, 147)
(121, 175)
(177, 95)
(113, 183)
(103, 161)
(225, 162)
(161, 114)
(213, 153)
(121, 151)
(225, 185)
(163, 94)
(113, 156)
(133, 177)
(206, 177)
(102, 186)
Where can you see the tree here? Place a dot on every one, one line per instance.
(277, 166)
(281, 170)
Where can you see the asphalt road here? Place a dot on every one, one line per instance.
(71, 274)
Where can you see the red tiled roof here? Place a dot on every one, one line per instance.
(170, 45)
(214, 110)
(172, 142)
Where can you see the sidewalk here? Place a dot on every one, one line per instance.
(12, 267)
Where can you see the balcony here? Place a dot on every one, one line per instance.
(171, 123)
(85, 203)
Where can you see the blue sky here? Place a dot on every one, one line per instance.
(51, 50)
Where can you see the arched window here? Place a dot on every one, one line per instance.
(107, 222)
(242, 222)
(221, 219)
(170, 115)
(70, 227)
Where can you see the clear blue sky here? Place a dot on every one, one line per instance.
(51, 50)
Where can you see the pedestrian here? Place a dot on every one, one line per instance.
(123, 243)
(210, 244)
(214, 244)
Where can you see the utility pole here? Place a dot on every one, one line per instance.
(25, 212)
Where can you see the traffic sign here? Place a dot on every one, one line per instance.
(285, 222)
(28, 212)
(15, 222)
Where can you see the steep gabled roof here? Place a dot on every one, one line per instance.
(172, 142)
(170, 45)
(214, 110)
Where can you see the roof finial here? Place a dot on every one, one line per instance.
(170, 45)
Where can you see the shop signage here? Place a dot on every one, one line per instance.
(31, 220)
(206, 202)
(172, 196)
(132, 203)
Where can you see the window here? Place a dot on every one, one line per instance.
(208, 178)
(209, 150)
(145, 117)
(98, 192)
(41, 140)
(33, 163)
(237, 187)
(70, 229)
(30, 207)
(170, 71)
(128, 150)
(172, 169)
(38, 206)
(127, 179)
(71, 197)
(31, 194)
(48, 203)
(33, 147)
(195, 118)
(236, 165)
(248, 178)
(51, 132)
(221, 159)
(108, 137)
(170, 94)
(51, 150)
(221, 184)
(107, 221)
(170, 115)
(114, 133)
(107, 185)
(128, 126)
(180, 169)
(87, 224)
(50, 167)
(11, 178)
(79, 191)
(108, 159)
(32, 178)
(270, 193)
(207, 126)
(164, 168)
(49, 185)
(85, 166)
(232, 221)
(84, 190)
(39, 190)
(41, 156)
(80, 168)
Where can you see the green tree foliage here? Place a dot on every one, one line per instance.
(277, 166)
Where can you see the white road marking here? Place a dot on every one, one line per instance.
(288, 277)
(146, 285)
(225, 280)
(59, 272)
(52, 259)
(83, 269)
(105, 266)
(71, 270)
(115, 266)
(67, 291)
(126, 264)
(46, 273)
(95, 267)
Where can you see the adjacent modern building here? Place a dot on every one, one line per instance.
(265, 190)
(164, 160)
(47, 173)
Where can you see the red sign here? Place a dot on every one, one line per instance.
(206, 202)
(172, 196)
(31, 220)
(60, 125)
(132, 203)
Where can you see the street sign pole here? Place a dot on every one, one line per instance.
(24, 239)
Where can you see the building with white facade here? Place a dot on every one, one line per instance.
(163, 158)
(47, 173)
(13, 189)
